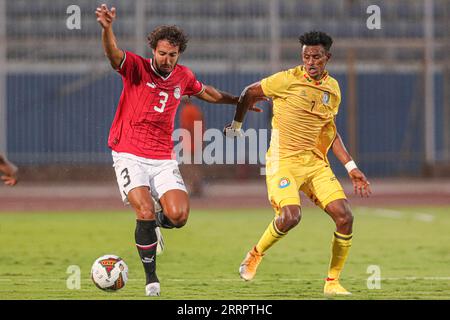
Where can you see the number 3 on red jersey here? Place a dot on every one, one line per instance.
(162, 102)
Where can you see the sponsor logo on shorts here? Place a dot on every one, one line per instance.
(284, 182)
(177, 173)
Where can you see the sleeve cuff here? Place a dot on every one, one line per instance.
(201, 90)
(123, 60)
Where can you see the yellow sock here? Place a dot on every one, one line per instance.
(339, 251)
(269, 237)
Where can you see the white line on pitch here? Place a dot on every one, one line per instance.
(395, 214)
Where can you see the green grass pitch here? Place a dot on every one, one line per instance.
(410, 248)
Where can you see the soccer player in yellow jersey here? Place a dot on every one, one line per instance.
(305, 103)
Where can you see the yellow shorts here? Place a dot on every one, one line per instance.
(307, 173)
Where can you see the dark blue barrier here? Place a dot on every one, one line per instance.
(65, 118)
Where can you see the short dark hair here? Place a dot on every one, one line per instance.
(314, 38)
(174, 34)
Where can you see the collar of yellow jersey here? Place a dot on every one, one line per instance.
(311, 80)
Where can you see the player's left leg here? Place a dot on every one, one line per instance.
(175, 205)
(168, 186)
(326, 191)
(339, 211)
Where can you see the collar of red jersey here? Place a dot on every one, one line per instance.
(316, 82)
(157, 73)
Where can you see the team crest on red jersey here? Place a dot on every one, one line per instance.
(177, 92)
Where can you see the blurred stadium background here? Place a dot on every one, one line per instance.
(58, 93)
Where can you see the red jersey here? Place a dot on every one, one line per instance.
(144, 120)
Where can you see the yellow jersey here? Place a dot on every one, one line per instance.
(304, 110)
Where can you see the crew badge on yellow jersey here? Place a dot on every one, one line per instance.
(326, 97)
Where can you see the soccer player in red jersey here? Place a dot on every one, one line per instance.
(141, 133)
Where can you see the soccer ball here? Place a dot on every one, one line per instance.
(109, 273)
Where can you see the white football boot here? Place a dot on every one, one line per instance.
(153, 289)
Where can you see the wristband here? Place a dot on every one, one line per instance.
(350, 166)
(236, 125)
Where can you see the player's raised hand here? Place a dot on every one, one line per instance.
(105, 16)
(361, 185)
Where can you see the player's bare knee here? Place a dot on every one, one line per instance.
(342, 215)
(289, 218)
(145, 214)
(180, 221)
(144, 211)
(148, 215)
(345, 220)
(178, 216)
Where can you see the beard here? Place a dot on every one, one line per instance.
(161, 71)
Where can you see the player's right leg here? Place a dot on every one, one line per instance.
(283, 194)
(133, 180)
(146, 236)
(287, 219)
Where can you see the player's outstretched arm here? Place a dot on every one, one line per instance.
(9, 171)
(105, 18)
(361, 185)
(213, 95)
(249, 97)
